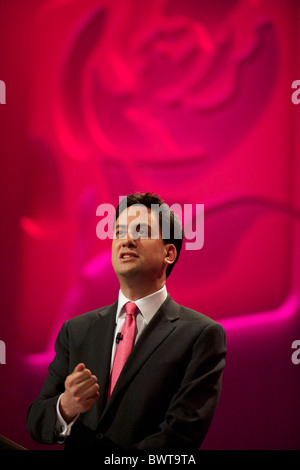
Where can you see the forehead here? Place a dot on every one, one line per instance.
(138, 213)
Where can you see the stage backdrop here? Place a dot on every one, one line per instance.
(189, 99)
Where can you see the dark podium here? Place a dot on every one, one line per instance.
(7, 444)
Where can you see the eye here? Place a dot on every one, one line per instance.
(142, 231)
(120, 233)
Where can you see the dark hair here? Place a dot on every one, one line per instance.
(167, 218)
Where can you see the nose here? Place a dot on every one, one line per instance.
(129, 241)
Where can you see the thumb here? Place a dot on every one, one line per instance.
(79, 367)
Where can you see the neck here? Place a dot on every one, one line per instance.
(135, 292)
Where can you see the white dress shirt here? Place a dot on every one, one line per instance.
(147, 306)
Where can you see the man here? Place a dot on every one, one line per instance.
(163, 399)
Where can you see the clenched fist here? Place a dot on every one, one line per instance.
(81, 392)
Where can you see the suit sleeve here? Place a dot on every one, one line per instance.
(41, 417)
(192, 408)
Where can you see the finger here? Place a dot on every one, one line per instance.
(79, 367)
(84, 387)
(87, 398)
(87, 402)
(92, 393)
(81, 376)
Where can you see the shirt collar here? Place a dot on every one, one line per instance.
(148, 305)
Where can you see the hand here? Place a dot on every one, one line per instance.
(81, 392)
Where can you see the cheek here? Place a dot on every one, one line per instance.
(157, 253)
(115, 245)
(114, 251)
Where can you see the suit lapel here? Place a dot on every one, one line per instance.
(159, 328)
(101, 336)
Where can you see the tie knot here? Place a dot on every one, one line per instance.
(131, 308)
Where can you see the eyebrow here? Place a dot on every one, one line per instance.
(143, 224)
(138, 227)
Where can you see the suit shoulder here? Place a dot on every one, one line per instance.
(191, 315)
(89, 317)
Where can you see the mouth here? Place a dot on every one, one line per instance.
(127, 256)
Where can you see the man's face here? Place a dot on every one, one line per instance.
(138, 252)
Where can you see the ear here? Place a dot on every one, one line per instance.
(171, 253)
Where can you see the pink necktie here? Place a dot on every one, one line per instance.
(125, 345)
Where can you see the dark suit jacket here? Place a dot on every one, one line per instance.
(166, 395)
